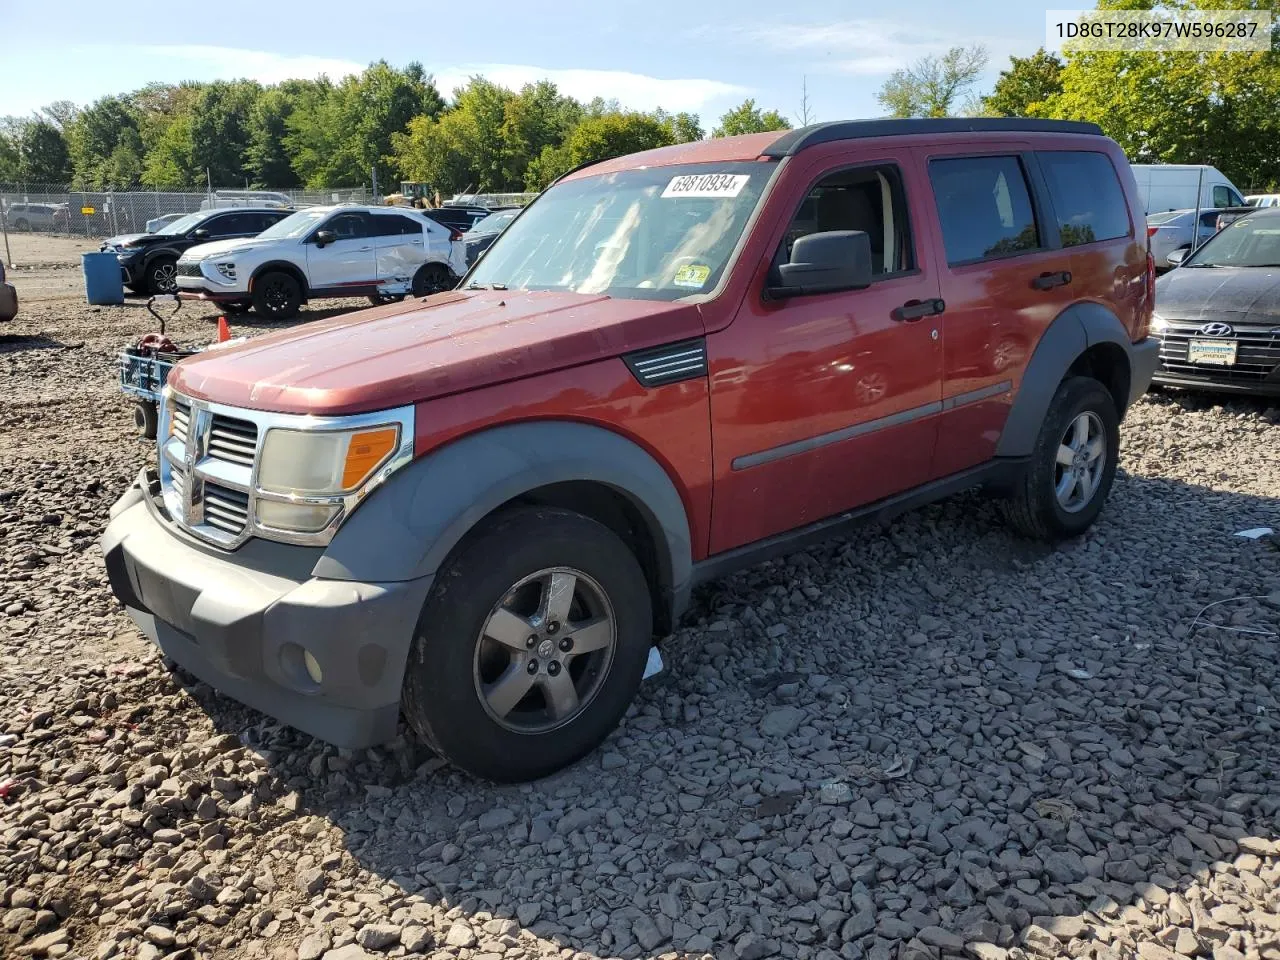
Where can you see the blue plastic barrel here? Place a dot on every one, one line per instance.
(102, 281)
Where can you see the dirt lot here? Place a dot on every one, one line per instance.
(930, 740)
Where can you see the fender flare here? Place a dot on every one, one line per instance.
(288, 267)
(1071, 333)
(153, 254)
(407, 528)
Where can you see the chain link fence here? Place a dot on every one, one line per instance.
(56, 208)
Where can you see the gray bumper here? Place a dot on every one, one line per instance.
(241, 625)
(1144, 358)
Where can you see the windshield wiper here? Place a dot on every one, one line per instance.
(486, 286)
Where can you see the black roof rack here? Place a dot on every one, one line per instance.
(793, 141)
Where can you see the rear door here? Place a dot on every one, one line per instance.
(347, 261)
(1004, 279)
(399, 245)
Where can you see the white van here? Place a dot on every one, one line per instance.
(1172, 186)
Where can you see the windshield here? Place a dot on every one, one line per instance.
(494, 222)
(182, 224)
(294, 225)
(660, 233)
(1247, 242)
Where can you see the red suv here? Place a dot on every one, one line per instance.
(478, 509)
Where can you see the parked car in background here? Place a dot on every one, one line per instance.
(1218, 316)
(461, 219)
(149, 261)
(8, 297)
(480, 510)
(1263, 200)
(1175, 186)
(159, 223)
(338, 251)
(38, 216)
(1171, 231)
(480, 237)
(224, 199)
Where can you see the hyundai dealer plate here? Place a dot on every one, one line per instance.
(1220, 353)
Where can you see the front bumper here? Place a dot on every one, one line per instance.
(240, 622)
(190, 288)
(1144, 359)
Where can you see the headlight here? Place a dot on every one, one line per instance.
(306, 477)
(1158, 323)
(228, 270)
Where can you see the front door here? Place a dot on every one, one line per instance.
(348, 260)
(1004, 280)
(826, 402)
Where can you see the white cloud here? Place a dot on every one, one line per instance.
(870, 47)
(636, 91)
(261, 65)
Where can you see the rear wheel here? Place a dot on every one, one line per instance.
(162, 276)
(1072, 466)
(432, 278)
(276, 295)
(145, 416)
(530, 647)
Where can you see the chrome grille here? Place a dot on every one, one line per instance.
(181, 418)
(226, 509)
(1257, 356)
(233, 440)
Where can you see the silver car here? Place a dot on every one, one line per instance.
(1171, 231)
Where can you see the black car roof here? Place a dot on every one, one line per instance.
(794, 141)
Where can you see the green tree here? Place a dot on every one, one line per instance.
(600, 138)
(932, 86)
(1025, 89)
(684, 127)
(462, 149)
(266, 158)
(1218, 108)
(93, 137)
(8, 158)
(747, 118)
(42, 154)
(220, 131)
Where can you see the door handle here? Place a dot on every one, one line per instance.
(1047, 281)
(913, 310)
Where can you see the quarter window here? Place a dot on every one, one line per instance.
(394, 225)
(1086, 196)
(984, 207)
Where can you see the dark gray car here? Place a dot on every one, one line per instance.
(1218, 315)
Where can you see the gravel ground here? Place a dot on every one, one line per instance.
(932, 740)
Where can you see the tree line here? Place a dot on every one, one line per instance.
(321, 133)
(1216, 108)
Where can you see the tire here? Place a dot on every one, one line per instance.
(507, 567)
(161, 276)
(22, 224)
(276, 295)
(432, 278)
(145, 417)
(1038, 508)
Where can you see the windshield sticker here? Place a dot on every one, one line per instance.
(707, 185)
(692, 275)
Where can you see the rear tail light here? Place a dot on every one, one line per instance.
(455, 233)
(1151, 231)
(1150, 303)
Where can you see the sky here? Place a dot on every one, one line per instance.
(703, 58)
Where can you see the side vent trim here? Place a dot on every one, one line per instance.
(670, 363)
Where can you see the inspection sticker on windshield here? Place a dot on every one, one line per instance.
(692, 275)
(707, 185)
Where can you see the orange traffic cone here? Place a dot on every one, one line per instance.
(224, 332)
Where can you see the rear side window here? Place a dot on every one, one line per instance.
(984, 207)
(394, 225)
(1086, 196)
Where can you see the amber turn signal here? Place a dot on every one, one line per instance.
(365, 452)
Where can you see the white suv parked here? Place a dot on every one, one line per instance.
(342, 251)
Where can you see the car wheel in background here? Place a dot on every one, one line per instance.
(237, 306)
(1072, 466)
(276, 295)
(162, 276)
(531, 645)
(145, 417)
(21, 224)
(432, 278)
(382, 299)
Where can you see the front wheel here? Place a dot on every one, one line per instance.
(162, 276)
(276, 295)
(1072, 466)
(530, 647)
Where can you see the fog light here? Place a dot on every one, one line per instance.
(313, 667)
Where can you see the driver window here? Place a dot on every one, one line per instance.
(1221, 196)
(869, 199)
(347, 226)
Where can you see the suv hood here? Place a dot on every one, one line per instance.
(397, 355)
(215, 247)
(137, 239)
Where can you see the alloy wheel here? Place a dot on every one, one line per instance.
(1081, 460)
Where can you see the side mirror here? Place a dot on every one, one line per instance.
(824, 263)
(325, 236)
(1175, 259)
(200, 233)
